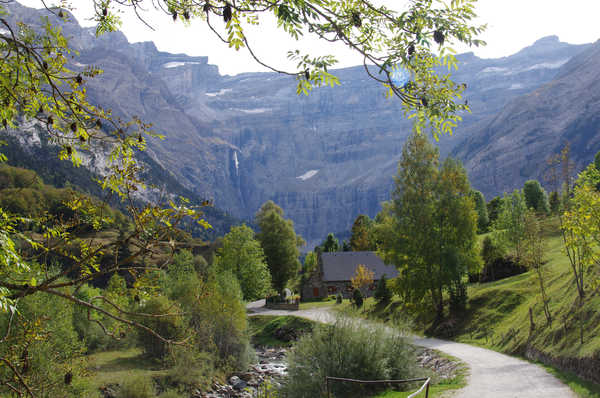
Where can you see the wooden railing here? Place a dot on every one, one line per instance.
(425, 385)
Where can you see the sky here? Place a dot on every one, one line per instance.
(512, 25)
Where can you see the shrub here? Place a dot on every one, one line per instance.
(502, 267)
(350, 349)
(137, 387)
(338, 298)
(220, 322)
(191, 369)
(357, 297)
(491, 250)
(382, 293)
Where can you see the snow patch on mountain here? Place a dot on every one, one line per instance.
(220, 92)
(548, 65)
(170, 65)
(307, 175)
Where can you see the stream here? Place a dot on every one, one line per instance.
(271, 365)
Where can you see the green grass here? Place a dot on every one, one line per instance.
(320, 303)
(581, 387)
(117, 366)
(263, 327)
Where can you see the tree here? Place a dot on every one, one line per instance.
(534, 249)
(382, 293)
(536, 197)
(310, 262)
(357, 297)
(243, 256)
(432, 225)
(363, 276)
(510, 226)
(493, 207)
(346, 246)
(580, 225)
(279, 242)
(554, 202)
(490, 250)
(361, 238)
(330, 244)
(482, 212)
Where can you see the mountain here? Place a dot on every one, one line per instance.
(245, 139)
(513, 145)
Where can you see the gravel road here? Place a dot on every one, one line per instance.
(492, 375)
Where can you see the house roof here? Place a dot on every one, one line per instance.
(341, 266)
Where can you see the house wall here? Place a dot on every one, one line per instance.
(345, 287)
(313, 287)
(324, 289)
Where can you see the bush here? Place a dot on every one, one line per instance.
(191, 369)
(500, 268)
(382, 294)
(220, 322)
(491, 250)
(137, 387)
(357, 297)
(350, 349)
(338, 298)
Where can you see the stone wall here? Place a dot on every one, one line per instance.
(586, 368)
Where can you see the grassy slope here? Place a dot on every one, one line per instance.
(500, 310)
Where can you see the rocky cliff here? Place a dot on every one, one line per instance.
(325, 158)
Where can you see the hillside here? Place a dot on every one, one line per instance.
(245, 139)
(497, 317)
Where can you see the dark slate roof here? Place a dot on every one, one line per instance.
(341, 266)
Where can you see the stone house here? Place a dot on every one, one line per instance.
(335, 269)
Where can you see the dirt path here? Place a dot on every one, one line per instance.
(493, 375)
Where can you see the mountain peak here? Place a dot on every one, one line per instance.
(547, 40)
